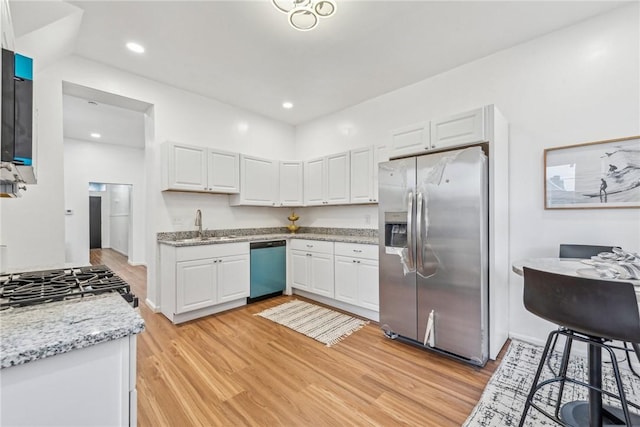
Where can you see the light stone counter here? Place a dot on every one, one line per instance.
(44, 330)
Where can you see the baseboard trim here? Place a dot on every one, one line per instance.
(152, 305)
(137, 264)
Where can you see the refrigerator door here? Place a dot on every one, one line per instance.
(397, 247)
(453, 251)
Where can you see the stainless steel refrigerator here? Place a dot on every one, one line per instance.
(433, 212)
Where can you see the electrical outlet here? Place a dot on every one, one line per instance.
(178, 221)
(367, 219)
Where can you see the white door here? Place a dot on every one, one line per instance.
(368, 284)
(408, 140)
(300, 270)
(362, 175)
(187, 167)
(314, 182)
(291, 183)
(224, 172)
(459, 129)
(346, 285)
(259, 181)
(233, 277)
(321, 274)
(195, 285)
(338, 178)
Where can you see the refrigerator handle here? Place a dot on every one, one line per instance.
(410, 230)
(419, 242)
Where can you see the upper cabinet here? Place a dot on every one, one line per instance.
(259, 182)
(291, 183)
(410, 140)
(459, 129)
(362, 175)
(192, 168)
(327, 180)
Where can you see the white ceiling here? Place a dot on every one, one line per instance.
(244, 53)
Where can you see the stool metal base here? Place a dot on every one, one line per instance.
(576, 414)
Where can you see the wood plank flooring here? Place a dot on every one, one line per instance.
(237, 369)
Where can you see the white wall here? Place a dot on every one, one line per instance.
(576, 85)
(33, 227)
(106, 163)
(119, 217)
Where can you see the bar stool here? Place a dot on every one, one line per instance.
(590, 311)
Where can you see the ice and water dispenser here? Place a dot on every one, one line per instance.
(395, 229)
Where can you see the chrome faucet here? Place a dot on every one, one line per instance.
(199, 222)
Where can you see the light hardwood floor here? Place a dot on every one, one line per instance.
(237, 369)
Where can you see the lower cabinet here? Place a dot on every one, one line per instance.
(312, 266)
(344, 275)
(356, 275)
(200, 280)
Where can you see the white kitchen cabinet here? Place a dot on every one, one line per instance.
(195, 285)
(459, 129)
(259, 182)
(91, 386)
(356, 275)
(223, 172)
(410, 140)
(196, 281)
(362, 176)
(327, 180)
(312, 266)
(201, 169)
(291, 183)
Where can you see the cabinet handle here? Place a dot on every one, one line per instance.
(309, 246)
(357, 251)
(353, 261)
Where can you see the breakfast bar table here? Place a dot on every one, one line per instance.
(576, 267)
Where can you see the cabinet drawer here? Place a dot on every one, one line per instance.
(356, 250)
(312, 246)
(187, 253)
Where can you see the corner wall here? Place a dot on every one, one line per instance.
(575, 85)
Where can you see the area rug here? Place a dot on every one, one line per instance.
(324, 325)
(503, 399)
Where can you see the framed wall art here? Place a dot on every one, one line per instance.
(602, 174)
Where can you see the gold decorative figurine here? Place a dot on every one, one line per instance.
(293, 218)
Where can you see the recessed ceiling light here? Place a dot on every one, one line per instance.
(288, 105)
(135, 47)
(95, 135)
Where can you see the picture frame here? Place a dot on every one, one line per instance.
(593, 175)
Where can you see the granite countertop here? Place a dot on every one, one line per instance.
(44, 330)
(180, 239)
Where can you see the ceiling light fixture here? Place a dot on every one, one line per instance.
(288, 105)
(135, 47)
(303, 15)
(95, 135)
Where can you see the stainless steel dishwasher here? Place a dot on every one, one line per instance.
(268, 269)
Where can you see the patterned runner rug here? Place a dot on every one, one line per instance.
(503, 399)
(324, 325)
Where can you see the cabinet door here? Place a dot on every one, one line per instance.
(459, 129)
(362, 175)
(408, 140)
(291, 183)
(233, 278)
(195, 285)
(314, 182)
(259, 181)
(187, 167)
(321, 274)
(346, 285)
(368, 284)
(224, 172)
(300, 270)
(338, 178)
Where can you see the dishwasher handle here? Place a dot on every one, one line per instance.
(271, 244)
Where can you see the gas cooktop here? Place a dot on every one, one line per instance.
(39, 287)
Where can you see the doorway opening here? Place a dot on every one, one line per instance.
(110, 224)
